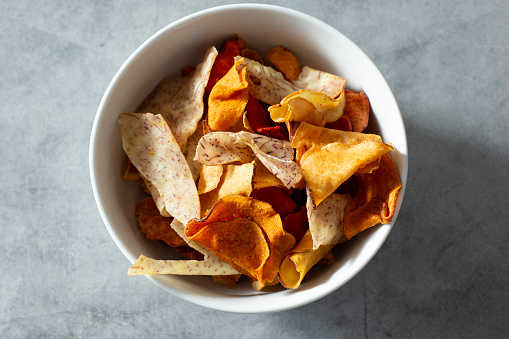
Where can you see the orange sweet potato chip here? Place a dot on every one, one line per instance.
(339, 154)
(157, 227)
(234, 179)
(228, 99)
(285, 61)
(375, 201)
(235, 222)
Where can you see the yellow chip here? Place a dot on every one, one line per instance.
(337, 153)
(315, 108)
(210, 175)
(234, 179)
(301, 259)
(228, 99)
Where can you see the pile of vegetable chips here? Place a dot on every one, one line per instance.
(255, 167)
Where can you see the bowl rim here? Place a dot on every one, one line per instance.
(298, 297)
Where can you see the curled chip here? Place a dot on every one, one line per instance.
(228, 99)
(180, 99)
(301, 259)
(226, 147)
(246, 233)
(149, 143)
(375, 201)
(326, 220)
(235, 179)
(319, 81)
(223, 62)
(314, 108)
(285, 62)
(278, 198)
(337, 153)
(266, 84)
(357, 110)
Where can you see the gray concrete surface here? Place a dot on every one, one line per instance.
(443, 272)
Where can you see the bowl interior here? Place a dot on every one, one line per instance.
(183, 43)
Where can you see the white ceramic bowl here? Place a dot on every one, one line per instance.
(184, 42)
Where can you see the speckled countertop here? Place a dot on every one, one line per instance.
(443, 272)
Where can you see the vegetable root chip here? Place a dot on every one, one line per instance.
(319, 81)
(375, 201)
(301, 259)
(326, 220)
(237, 226)
(357, 110)
(285, 61)
(314, 108)
(149, 143)
(228, 99)
(337, 153)
(225, 147)
(157, 227)
(235, 179)
(180, 99)
(148, 266)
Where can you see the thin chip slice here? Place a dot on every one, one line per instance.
(357, 110)
(209, 178)
(264, 178)
(228, 99)
(189, 152)
(235, 179)
(285, 62)
(376, 199)
(266, 84)
(326, 220)
(236, 212)
(154, 225)
(320, 81)
(337, 153)
(225, 147)
(151, 147)
(180, 99)
(148, 266)
(218, 148)
(315, 108)
(238, 206)
(297, 264)
(239, 242)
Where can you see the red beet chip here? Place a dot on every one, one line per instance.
(280, 200)
(224, 61)
(297, 223)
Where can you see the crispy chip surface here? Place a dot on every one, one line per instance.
(326, 220)
(376, 199)
(320, 81)
(302, 258)
(315, 108)
(258, 213)
(180, 99)
(228, 99)
(211, 266)
(285, 62)
(149, 143)
(234, 179)
(337, 153)
(210, 175)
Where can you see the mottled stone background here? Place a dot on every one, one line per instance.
(443, 271)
